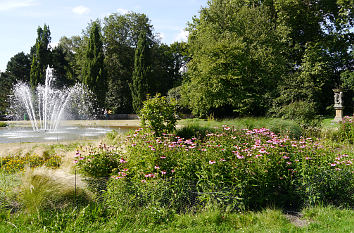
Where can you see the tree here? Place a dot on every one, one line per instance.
(93, 73)
(19, 67)
(41, 57)
(6, 83)
(139, 86)
(236, 59)
(121, 33)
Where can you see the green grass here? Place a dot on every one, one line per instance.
(93, 219)
(277, 125)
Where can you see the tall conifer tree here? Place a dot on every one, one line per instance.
(139, 86)
(93, 74)
(41, 57)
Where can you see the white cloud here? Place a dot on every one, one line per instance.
(122, 11)
(80, 10)
(182, 35)
(14, 4)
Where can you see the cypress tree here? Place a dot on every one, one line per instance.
(139, 86)
(93, 74)
(41, 57)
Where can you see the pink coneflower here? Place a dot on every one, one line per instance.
(75, 161)
(143, 181)
(163, 172)
(212, 161)
(285, 157)
(125, 169)
(222, 160)
(173, 171)
(288, 163)
(240, 157)
(157, 167)
(333, 164)
(163, 157)
(122, 160)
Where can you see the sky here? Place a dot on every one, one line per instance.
(19, 19)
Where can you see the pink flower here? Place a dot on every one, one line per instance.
(173, 171)
(333, 164)
(222, 160)
(163, 157)
(288, 163)
(163, 172)
(285, 157)
(240, 157)
(157, 167)
(75, 161)
(212, 161)
(122, 160)
(143, 181)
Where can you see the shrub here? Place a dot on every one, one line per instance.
(302, 111)
(97, 162)
(346, 130)
(231, 168)
(159, 114)
(3, 124)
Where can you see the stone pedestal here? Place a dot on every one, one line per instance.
(339, 115)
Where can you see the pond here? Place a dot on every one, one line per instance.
(65, 133)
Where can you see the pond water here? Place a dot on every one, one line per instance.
(68, 133)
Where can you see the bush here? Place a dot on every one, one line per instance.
(97, 162)
(3, 124)
(346, 130)
(159, 114)
(301, 111)
(230, 168)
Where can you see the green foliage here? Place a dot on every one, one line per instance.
(13, 163)
(139, 86)
(41, 57)
(93, 73)
(159, 114)
(121, 34)
(300, 111)
(19, 67)
(231, 169)
(3, 124)
(236, 59)
(98, 162)
(345, 132)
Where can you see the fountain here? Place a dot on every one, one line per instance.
(46, 107)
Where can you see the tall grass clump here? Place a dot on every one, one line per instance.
(43, 188)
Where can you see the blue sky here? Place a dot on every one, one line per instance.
(19, 19)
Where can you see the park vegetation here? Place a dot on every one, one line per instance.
(242, 58)
(253, 174)
(156, 177)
